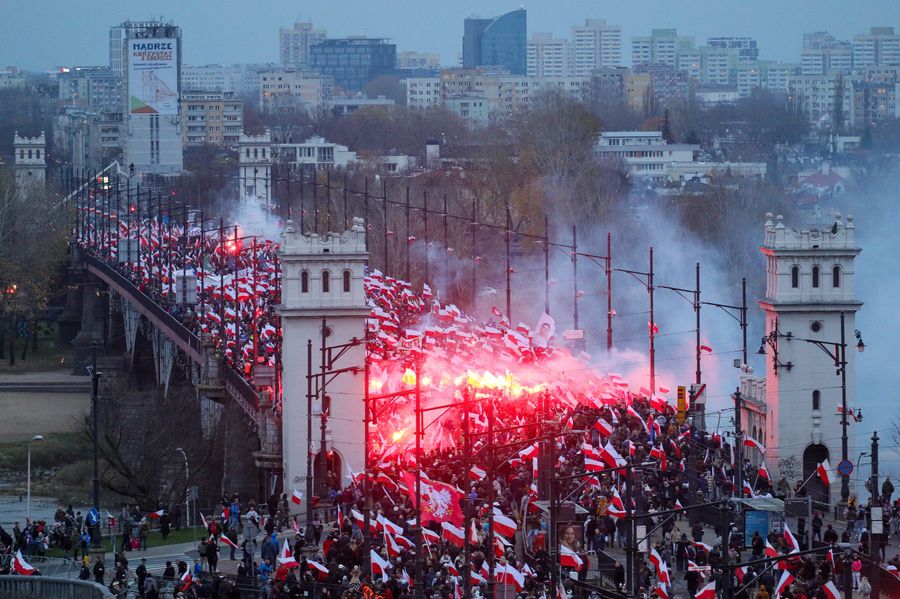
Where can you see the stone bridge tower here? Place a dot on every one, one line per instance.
(30, 160)
(322, 295)
(809, 286)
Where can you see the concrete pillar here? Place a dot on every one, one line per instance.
(91, 331)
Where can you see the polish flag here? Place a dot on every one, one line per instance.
(561, 591)
(739, 573)
(156, 515)
(503, 525)
(786, 579)
(317, 566)
(513, 577)
(678, 505)
(706, 348)
(22, 567)
(633, 413)
(616, 500)
(748, 490)
(529, 452)
(340, 519)
(385, 524)
(476, 473)
(662, 571)
(748, 442)
(661, 591)
(611, 456)
(790, 539)
(453, 534)
(393, 549)
(831, 590)
(404, 542)
(452, 569)
(203, 520)
(285, 556)
(592, 465)
(764, 472)
(358, 517)
(386, 481)
(825, 472)
(528, 571)
(603, 427)
(379, 565)
(570, 559)
(770, 551)
(829, 557)
(703, 546)
(475, 577)
(187, 578)
(227, 541)
(707, 592)
(297, 497)
(430, 536)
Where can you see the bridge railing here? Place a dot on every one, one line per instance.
(28, 587)
(188, 339)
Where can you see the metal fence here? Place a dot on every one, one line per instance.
(28, 587)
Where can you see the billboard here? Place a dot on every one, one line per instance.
(153, 76)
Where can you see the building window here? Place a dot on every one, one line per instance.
(835, 276)
(326, 281)
(304, 281)
(816, 398)
(346, 281)
(815, 277)
(795, 277)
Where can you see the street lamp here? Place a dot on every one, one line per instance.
(187, 493)
(28, 484)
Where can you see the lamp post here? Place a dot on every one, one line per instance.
(95, 418)
(187, 493)
(28, 484)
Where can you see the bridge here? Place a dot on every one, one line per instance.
(126, 253)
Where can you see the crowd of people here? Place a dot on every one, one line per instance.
(607, 449)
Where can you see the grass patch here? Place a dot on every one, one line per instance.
(55, 451)
(49, 355)
(185, 535)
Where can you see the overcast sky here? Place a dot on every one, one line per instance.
(39, 34)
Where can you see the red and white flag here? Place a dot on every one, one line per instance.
(504, 525)
(453, 534)
(661, 591)
(750, 442)
(831, 591)
(825, 472)
(611, 456)
(570, 559)
(297, 497)
(379, 565)
(708, 349)
(227, 541)
(156, 515)
(340, 519)
(786, 579)
(22, 567)
(529, 452)
(603, 427)
(285, 556)
(703, 546)
(770, 551)
(764, 472)
(790, 539)
(476, 473)
(707, 592)
(321, 569)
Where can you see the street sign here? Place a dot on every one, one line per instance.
(681, 404)
(845, 467)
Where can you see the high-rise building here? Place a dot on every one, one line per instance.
(92, 88)
(354, 61)
(152, 71)
(595, 45)
(239, 79)
(881, 46)
(746, 46)
(548, 56)
(294, 43)
(501, 41)
(662, 46)
(410, 60)
(818, 61)
(211, 118)
(292, 89)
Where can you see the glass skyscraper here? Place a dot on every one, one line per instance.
(502, 41)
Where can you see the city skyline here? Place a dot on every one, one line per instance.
(77, 37)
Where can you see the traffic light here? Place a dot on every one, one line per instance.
(681, 405)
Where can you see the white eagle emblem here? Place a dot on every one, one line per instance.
(439, 501)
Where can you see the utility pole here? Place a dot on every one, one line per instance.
(630, 548)
(309, 452)
(725, 523)
(95, 389)
(420, 537)
(845, 480)
(875, 509)
(738, 445)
